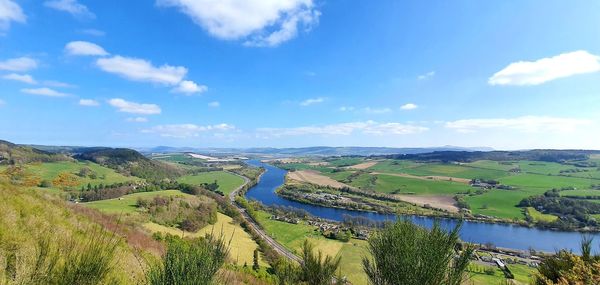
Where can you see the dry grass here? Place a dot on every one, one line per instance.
(314, 177)
(363, 165)
(439, 202)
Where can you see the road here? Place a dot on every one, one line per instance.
(256, 227)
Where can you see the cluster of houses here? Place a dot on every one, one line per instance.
(325, 227)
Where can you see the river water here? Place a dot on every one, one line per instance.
(502, 235)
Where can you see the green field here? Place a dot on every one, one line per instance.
(498, 203)
(49, 171)
(581, 193)
(127, 203)
(389, 184)
(538, 184)
(538, 216)
(227, 181)
(437, 169)
(345, 161)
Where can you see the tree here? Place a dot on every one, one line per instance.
(404, 253)
(255, 265)
(316, 270)
(567, 268)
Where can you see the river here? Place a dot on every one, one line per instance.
(501, 235)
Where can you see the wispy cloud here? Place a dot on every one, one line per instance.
(345, 108)
(187, 130)
(214, 104)
(409, 106)
(25, 78)
(10, 12)
(134, 108)
(84, 48)
(370, 110)
(72, 7)
(527, 124)
(142, 70)
(547, 69)
(345, 129)
(44, 92)
(58, 84)
(93, 32)
(426, 75)
(20, 64)
(2, 103)
(312, 101)
(137, 120)
(89, 102)
(259, 22)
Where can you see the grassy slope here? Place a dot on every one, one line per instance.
(50, 170)
(538, 216)
(242, 245)
(227, 181)
(26, 215)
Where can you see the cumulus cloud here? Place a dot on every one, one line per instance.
(44, 92)
(10, 12)
(134, 108)
(345, 129)
(84, 48)
(409, 106)
(187, 130)
(89, 102)
(426, 75)
(214, 104)
(312, 101)
(20, 64)
(546, 69)
(25, 78)
(526, 124)
(142, 70)
(260, 22)
(72, 7)
(137, 119)
(188, 87)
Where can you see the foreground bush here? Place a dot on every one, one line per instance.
(404, 253)
(189, 261)
(566, 268)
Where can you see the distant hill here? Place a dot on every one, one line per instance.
(312, 151)
(129, 162)
(11, 153)
(549, 155)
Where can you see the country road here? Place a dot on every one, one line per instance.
(256, 227)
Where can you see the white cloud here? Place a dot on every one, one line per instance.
(546, 69)
(2, 103)
(188, 87)
(346, 108)
(345, 129)
(18, 64)
(370, 110)
(214, 104)
(84, 48)
(72, 7)
(44, 92)
(187, 130)
(312, 101)
(25, 78)
(142, 70)
(426, 75)
(134, 108)
(409, 106)
(137, 120)
(10, 12)
(260, 22)
(526, 124)
(88, 102)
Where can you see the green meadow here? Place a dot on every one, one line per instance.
(227, 181)
(127, 204)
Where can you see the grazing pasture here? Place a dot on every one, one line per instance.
(227, 181)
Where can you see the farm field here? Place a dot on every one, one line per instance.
(227, 181)
(498, 203)
(127, 204)
(538, 216)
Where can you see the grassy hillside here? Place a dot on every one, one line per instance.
(15, 154)
(130, 162)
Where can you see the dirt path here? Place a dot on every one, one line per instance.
(437, 178)
(439, 202)
(314, 177)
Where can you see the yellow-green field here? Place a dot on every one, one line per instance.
(227, 181)
(242, 245)
(127, 204)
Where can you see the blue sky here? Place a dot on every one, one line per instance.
(292, 73)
